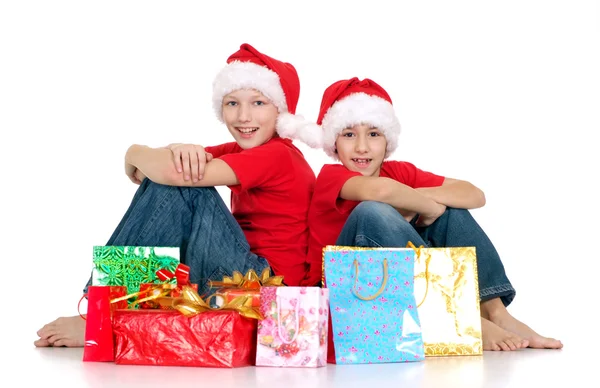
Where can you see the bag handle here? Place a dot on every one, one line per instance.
(296, 322)
(381, 289)
(427, 261)
(79, 305)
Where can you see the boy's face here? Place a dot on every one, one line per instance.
(250, 117)
(362, 149)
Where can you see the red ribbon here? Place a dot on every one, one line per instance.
(182, 274)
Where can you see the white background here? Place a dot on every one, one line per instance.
(503, 94)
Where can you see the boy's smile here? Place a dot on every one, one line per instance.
(247, 132)
(362, 163)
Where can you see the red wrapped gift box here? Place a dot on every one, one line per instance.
(229, 294)
(248, 285)
(223, 339)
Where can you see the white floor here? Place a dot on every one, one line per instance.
(562, 316)
(494, 369)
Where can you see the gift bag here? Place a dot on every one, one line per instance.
(447, 293)
(372, 305)
(131, 266)
(293, 332)
(99, 343)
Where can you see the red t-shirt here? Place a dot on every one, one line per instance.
(328, 212)
(271, 202)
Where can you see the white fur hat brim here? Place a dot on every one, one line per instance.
(247, 75)
(356, 109)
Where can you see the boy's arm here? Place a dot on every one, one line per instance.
(455, 193)
(157, 164)
(392, 192)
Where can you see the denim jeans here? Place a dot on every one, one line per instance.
(196, 220)
(375, 224)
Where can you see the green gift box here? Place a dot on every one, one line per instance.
(131, 266)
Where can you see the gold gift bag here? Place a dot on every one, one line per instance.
(447, 294)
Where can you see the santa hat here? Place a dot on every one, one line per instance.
(278, 81)
(352, 102)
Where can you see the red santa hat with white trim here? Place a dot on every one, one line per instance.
(278, 81)
(351, 102)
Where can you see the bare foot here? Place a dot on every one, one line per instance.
(495, 311)
(65, 331)
(496, 338)
(510, 323)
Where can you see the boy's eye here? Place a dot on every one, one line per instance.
(231, 103)
(259, 103)
(347, 134)
(374, 134)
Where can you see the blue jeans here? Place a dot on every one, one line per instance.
(196, 220)
(375, 224)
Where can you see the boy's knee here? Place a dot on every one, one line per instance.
(454, 213)
(374, 209)
(149, 185)
(379, 213)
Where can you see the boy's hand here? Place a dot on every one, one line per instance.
(132, 173)
(190, 159)
(407, 214)
(428, 219)
(139, 175)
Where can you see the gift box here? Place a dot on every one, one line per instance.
(131, 266)
(98, 340)
(248, 285)
(160, 337)
(191, 333)
(293, 331)
(226, 295)
(374, 317)
(447, 293)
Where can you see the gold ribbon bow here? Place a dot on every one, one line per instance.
(250, 281)
(157, 291)
(191, 304)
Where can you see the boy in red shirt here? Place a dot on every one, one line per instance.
(369, 201)
(255, 96)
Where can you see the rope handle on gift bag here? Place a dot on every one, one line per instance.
(296, 322)
(427, 261)
(381, 289)
(79, 305)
